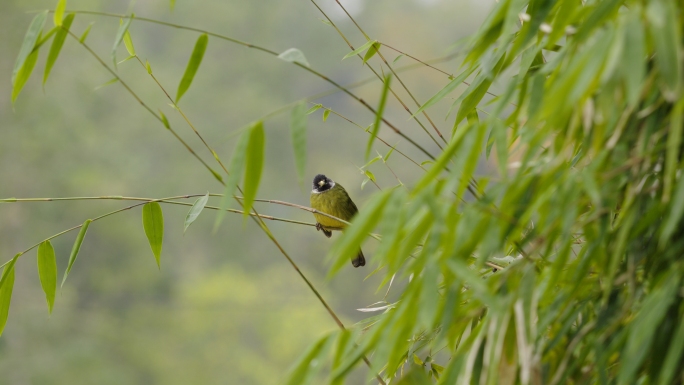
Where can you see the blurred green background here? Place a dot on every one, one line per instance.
(225, 308)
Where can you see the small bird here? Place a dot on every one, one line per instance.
(331, 198)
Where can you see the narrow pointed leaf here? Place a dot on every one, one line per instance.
(24, 74)
(374, 48)
(294, 55)
(108, 82)
(148, 67)
(310, 363)
(47, 271)
(75, 249)
(59, 12)
(298, 135)
(253, 164)
(664, 30)
(236, 169)
(449, 88)
(360, 49)
(164, 120)
(326, 113)
(32, 35)
(57, 43)
(84, 36)
(193, 65)
(195, 211)
(153, 223)
(378, 115)
(6, 286)
(128, 42)
(314, 109)
(123, 27)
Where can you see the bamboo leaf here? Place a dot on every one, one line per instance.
(674, 140)
(326, 113)
(47, 271)
(360, 49)
(298, 135)
(313, 109)
(57, 43)
(123, 27)
(235, 171)
(195, 211)
(59, 13)
(108, 82)
(303, 371)
(374, 48)
(6, 286)
(449, 88)
(293, 55)
(128, 42)
(193, 65)
(32, 36)
(254, 165)
(666, 39)
(148, 67)
(378, 115)
(75, 249)
(85, 33)
(153, 223)
(24, 74)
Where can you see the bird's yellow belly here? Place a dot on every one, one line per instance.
(324, 202)
(328, 222)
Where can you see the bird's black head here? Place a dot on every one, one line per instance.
(322, 183)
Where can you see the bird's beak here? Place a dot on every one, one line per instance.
(321, 183)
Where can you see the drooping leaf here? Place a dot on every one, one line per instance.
(32, 36)
(298, 135)
(47, 271)
(123, 27)
(195, 211)
(303, 371)
(165, 121)
(236, 169)
(128, 42)
(6, 286)
(59, 12)
(85, 33)
(193, 65)
(153, 223)
(378, 115)
(374, 48)
(254, 165)
(75, 249)
(57, 44)
(24, 74)
(326, 113)
(357, 51)
(293, 55)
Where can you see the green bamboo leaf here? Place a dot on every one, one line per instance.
(24, 74)
(396, 59)
(236, 169)
(357, 51)
(298, 135)
(172, 4)
(108, 82)
(449, 88)
(313, 109)
(27, 46)
(304, 370)
(253, 165)
(193, 65)
(633, 63)
(148, 67)
(153, 223)
(164, 120)
(75, 249)
(374, 48)
(6, 286)
(349, 243)
(674, 354)
(674, 140)
(674, 213)
(85, 33)
(293, 55)
(378, 115)
(126, 59)
(128, 42)
(47, 271)
(59, 13)
(195, 211)
(644, 326)
(123, 27)
(326, 113)
(666, 39)
(57, 44)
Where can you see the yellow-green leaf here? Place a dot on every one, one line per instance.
(24, 74)
(6, 286)
(360, 49)
(47, 271)
(27, 46)
(75, 249)
(253, 164)
(84, 36)
(378, 115)
(193, 65)
(195, 211)
(374, 48)
(59, 12)
(666, 38)
(164, 120)
(298, 135)
(57, 44)
(153, 223)
(235, 170)
(123, 27)
(128, 42)
(148, 67)
(326, 113)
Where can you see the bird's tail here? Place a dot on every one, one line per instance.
(360, 260)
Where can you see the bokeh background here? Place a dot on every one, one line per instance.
(225, 308)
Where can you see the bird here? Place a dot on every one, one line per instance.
(331, 198)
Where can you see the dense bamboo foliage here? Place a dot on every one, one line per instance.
(560, 265)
